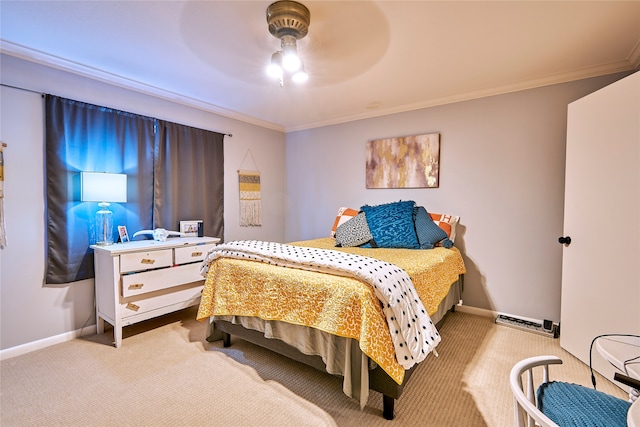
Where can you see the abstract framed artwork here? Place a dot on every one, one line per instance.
(404, 162)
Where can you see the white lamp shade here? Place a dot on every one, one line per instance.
(103, 187)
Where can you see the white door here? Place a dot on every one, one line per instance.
(601, 265)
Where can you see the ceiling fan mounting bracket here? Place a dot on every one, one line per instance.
(288, 18)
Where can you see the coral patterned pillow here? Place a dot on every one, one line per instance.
(344, 215)
(447, 222)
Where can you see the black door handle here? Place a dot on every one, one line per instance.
(565, 240)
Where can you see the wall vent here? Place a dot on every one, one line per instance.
(547, 328)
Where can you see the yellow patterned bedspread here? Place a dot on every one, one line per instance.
(339, 305)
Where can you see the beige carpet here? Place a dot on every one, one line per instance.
(165, 374)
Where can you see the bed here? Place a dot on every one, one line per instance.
(361, 304)
(302, 301)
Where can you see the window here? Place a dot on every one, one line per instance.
(174, 172)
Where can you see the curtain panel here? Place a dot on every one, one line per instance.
(189, 178)
(85, 137)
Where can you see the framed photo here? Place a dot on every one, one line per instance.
(122, 232)
(189, 228)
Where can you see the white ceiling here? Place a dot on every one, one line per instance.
(364, 58)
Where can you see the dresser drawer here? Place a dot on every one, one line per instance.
(141, 261)
(155, 280)
(146, 308)
(189, 254)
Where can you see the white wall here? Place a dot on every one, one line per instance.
(501, 170)
(30, 310)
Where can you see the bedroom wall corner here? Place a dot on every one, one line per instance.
(31, 312)
(501, 170)
(26, 305)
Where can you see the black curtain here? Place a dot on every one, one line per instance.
(85, 137)
(174, 173)
(189, 178)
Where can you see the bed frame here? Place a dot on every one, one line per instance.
(379, 380)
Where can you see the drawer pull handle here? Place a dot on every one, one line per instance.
(147, 261)
(132, 306)
(195, 254)
(134, 286)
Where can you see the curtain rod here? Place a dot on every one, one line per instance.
(21, 88)
(230, 135)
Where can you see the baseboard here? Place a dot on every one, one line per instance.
(89, 330)
(46, 342)
(489, 313)
(475, 310)
(495, 314)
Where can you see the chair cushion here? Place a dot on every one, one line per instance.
(574, 405)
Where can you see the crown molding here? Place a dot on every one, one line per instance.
(632, 63)
(597, 71)
(82, 70)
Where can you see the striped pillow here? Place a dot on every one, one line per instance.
(426, 229)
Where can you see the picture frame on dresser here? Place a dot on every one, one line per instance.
(189, 228)
(123, 235)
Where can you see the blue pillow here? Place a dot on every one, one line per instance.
(427, 231)
(391, 225)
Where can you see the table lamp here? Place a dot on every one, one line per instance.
(105, 188)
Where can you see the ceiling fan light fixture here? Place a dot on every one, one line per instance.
(290, 59)
(291, 62)
(289, 22)
(300, 76)
(275, 67)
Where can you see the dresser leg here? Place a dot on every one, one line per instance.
(99, 324)
(117, 335)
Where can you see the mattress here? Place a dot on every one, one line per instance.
(341, 306)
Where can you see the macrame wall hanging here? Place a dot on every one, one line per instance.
(250, 200)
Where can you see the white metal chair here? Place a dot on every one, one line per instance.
(566, 403)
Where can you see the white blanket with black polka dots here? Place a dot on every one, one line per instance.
(413, 333)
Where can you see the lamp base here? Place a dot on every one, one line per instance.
(104, 225)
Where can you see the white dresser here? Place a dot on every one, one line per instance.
(139, 280)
